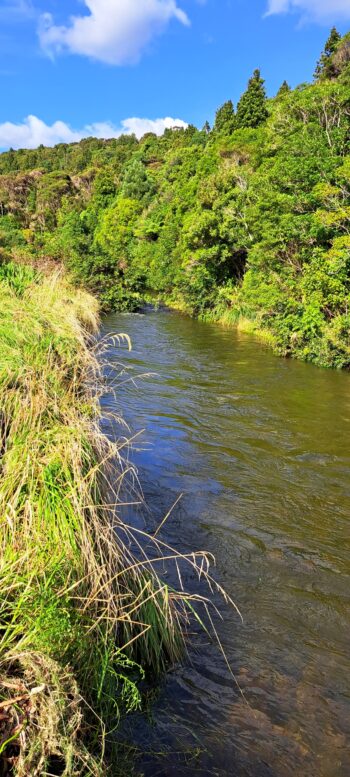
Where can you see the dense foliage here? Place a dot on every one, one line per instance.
(249, 220)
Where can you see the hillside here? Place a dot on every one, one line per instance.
(248, 221)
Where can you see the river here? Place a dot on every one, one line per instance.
(259, 447)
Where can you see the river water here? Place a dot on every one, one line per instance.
(259, 447)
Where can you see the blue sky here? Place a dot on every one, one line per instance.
(146, 58)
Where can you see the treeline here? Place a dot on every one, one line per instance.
(249, 219)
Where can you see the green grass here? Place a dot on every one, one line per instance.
(80, 620)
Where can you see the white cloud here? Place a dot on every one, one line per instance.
(33, 131)
(114, 31)
(140, 126)
(319, 10)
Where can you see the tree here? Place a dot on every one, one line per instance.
(207, 128)
(284, 89)
(341, 57)
(325, 66)
(251, 222)
(225, 120)
(136, 184)
(251, 109)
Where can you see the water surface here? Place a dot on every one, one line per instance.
(260, 449)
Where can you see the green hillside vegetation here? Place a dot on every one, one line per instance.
(247, 222)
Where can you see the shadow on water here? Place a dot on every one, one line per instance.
(259, 448)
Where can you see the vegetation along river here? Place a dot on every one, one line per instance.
(260, 449)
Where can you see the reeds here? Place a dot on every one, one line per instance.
(82, 616)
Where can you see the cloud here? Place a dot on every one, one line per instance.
(33, 131)
(317, 10)
(140, 126)
(114, 31)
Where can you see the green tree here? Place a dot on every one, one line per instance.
(112, 253)
(325, 66)
(341, 57)
(137, 184)
(251, 109)
(252, 223)
(225, 120)
(284, 89)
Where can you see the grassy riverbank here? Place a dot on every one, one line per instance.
(330, 347)
(80, 620)
(229, 318)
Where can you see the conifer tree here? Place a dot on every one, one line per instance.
(136, 183)
(341, 58)
(251, 109)
(325, 67)
(225, 119)
(206, 128)
(284, 89)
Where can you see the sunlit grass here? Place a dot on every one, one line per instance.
(82, 617)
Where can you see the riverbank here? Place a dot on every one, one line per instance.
(81, 620)
(326, 348)
(227, 318)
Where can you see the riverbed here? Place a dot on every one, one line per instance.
(259, 449)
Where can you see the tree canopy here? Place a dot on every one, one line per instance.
(284, 89)
(248, 220)
(252, 107)
(225, 120)
(325, 67)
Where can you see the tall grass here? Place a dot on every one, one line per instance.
(81, 618)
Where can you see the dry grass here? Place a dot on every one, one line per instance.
(83, 611)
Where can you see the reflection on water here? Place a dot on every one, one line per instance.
(260, 449)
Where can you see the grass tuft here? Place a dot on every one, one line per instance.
(81, 616)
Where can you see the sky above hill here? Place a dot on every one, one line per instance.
(71, 68)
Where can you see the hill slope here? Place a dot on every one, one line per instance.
(249, 220)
